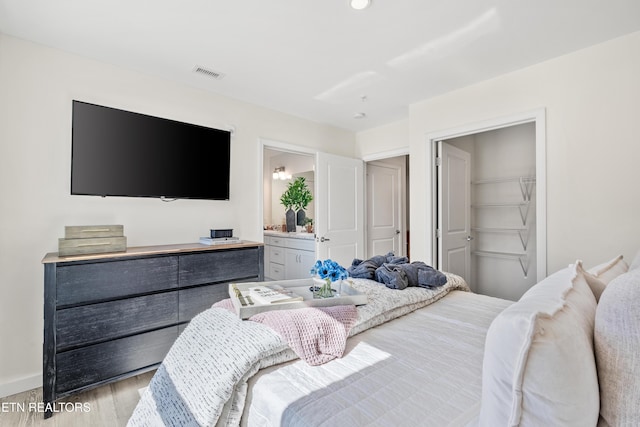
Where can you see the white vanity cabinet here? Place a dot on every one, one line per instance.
(289, 256)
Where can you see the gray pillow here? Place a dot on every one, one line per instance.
(617, 349)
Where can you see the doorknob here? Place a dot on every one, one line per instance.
(322, 239)
(397, 231)
(469, 238)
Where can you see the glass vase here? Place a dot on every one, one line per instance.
(322, 288)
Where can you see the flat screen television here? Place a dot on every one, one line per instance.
(121, 153)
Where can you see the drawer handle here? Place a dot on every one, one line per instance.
(94, 244)
(93, 230)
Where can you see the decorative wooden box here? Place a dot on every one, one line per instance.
(92, 239)
(91, 231)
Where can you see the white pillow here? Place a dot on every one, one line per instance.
(539, 366)
(610, 270)
(617, 349)
(597, 286)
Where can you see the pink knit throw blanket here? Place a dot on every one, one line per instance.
(316, 334)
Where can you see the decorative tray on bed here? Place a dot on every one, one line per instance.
(298, 291)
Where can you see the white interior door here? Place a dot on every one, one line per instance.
(340, 208)
(384, 201)
(454, 211)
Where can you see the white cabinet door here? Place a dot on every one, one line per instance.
(298, 263)
(291, 264)
(307, 259)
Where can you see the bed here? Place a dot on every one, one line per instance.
(447, 357)
(426, 365)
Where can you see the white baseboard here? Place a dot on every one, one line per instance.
(23, 384)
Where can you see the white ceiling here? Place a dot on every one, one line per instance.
(317, 59)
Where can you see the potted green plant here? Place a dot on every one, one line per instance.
(290, 216)
(308, 224)
(298, 196)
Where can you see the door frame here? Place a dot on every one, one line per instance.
(538, 117)
(382, 156)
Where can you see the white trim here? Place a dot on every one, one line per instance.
(538, 117)
(283, 146)
(488, 125)
(21, 385)
(386, 154)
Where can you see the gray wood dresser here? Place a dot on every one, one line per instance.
(112, 316)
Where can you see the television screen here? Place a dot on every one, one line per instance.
(121, 153)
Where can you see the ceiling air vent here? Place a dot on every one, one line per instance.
(207, 72)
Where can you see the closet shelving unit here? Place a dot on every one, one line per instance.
(526, 184)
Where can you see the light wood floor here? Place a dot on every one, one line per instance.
(109, 405)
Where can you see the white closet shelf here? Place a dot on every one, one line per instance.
(499, 229)
(523, 208)
(522, 232)
(523, 258)
(526, 184)
(501, 205)
(510, 179)
(495, 254)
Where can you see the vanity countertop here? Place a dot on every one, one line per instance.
(306, 236)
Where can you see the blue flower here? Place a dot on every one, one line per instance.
(315, 268)
(329, 269)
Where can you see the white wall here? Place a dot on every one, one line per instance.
(37, 85)
(592, 101)
(391, 137)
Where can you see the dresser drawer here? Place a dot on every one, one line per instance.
(277, 241)
(99, 322)
(276, 271)
(276, 255)
(82, 283)
(89, 365)
(196, 300)
(302, 244)
(210, 267)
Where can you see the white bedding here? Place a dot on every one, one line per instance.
(203, 378)
(422, 369)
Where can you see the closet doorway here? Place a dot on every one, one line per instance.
(490, 223)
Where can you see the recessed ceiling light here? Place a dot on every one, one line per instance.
(360, 4)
